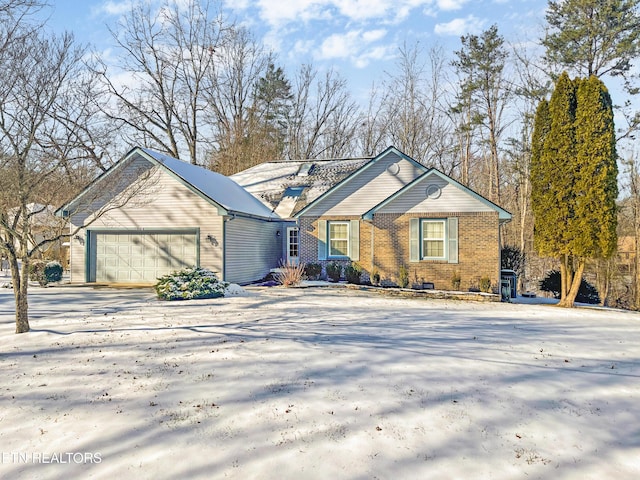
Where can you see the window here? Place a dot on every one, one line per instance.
(338, 239)
(433, 239)
(293, 243)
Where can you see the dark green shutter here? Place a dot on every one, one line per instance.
(322, 239)
(452, 225)
(354, 240)
(414, 240)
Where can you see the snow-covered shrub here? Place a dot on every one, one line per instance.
(190, 283)
(290, 275)
(334, 271)
(313, 271)
(53, 271)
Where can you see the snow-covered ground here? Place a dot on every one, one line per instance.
(317, 383)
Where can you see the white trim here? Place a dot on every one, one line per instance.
(443, 239)
(347, 223)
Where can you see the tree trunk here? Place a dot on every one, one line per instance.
(20, 280)
(570, 298)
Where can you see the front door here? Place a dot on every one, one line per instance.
(293, 245)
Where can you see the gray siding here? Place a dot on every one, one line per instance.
(451, 199)
(368, 187)
(253, 248)
(160, 204)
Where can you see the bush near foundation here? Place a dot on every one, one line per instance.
(190, 284)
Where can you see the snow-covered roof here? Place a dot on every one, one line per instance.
(219, 188)
(288, 186)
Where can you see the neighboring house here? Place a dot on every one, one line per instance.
(626, 253)
(152, 214)
(384, 213)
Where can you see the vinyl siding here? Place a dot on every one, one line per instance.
(162, 204)
(367, 188)
(451, 200)
(253, 248)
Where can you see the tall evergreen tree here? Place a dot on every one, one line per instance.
(481, 65)
(574, 178)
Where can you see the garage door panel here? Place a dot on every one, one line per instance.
(129, 257)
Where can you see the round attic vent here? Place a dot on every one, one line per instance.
(433, 191)
(393, 169)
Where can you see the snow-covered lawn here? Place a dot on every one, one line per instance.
(317, 383)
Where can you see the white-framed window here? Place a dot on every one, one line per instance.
(338, 239)
(293, 245)
(434, 238)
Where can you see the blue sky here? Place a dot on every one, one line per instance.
(359, 38)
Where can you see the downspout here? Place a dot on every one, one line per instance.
(373, 256)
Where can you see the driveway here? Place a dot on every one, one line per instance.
(52, 301)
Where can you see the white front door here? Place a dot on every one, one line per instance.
(293, 245)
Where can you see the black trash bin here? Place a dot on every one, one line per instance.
(512, 278)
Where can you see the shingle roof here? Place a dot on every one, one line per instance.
(270, 180)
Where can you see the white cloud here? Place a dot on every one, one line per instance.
(115, 7)
(449, 5)
(460, 26)
(356, 46)
(348, 45)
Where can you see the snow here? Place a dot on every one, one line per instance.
(315, 383)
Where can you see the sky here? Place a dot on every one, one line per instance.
(358, 38)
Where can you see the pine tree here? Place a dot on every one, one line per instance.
(574, 178)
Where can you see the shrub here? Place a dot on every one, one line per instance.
(375, 276)
(485, 284)
(53, 271)
(36, 272)
(313, 271)
(289, 274)
(334, 271)
(455, 281)
(190, 283)
(403, 276)
(587, 293)
(353, 273)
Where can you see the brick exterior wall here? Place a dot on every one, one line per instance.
(478, 249)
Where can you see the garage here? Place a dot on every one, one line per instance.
(140, 256)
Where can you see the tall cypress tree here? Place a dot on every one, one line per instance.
(574, 178)
(596, 214)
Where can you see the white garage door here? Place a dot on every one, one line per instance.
(142, 257)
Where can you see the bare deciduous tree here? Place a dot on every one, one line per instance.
(241, 62)
(324, 117)
(159, 88)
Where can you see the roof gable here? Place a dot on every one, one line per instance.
(220, 191)
(434, 182)
(391, 153)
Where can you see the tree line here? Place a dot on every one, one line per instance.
(186, 80)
